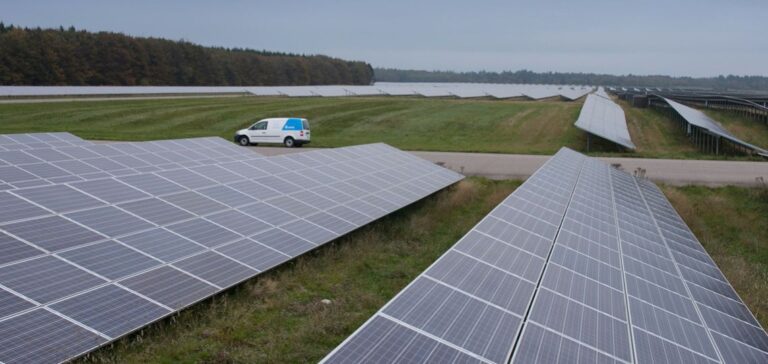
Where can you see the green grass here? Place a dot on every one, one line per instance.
(656, 135)
(732, 224)
(746, 128)
(279, 317)
(493, 126)
(407, 123)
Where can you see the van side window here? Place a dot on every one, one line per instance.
(260, 126)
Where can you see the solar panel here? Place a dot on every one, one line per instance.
(395, 90)
(31, 167)
(438, 89)
(11, 142)
(601, 92)
(469, 92)
(297, 91)
(331, 91)
(701, 120)
(428, 90)
(538, 93)
(574, 93)
(361, 90)
(117, 90)
(582, 263)
(101, 257)
(263, 91)
(603, 117)
(504, 91)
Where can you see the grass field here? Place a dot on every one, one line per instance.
(279, 316)
(407, 123)
(526, 127)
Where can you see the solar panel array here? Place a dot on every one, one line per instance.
(602, 117)
(118, 90)
(39, 140)
(601, 92)
(583, 263)
(460, 90)
(701, 120)
(28, 160)
(87, 260)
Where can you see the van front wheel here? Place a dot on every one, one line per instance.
(289, 142)
(243, 140)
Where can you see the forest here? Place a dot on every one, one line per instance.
(525, 76)
(35, 56)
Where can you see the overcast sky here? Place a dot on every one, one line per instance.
(674, 37)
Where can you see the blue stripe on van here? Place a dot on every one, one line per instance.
(293, 124)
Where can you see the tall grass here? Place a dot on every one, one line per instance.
(732, 225)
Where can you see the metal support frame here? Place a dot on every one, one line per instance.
(717, 148)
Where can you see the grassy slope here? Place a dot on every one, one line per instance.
(732, 224)
(656, 135)
(407, 123)
(746, 128)
(278, 317)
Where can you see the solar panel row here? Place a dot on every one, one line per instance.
(701, 120)
(582, 263)
(601, 92)
(39, 140)
(88, 261)
(461, 90)
(45, 165)
(473, 300)
(602, 117)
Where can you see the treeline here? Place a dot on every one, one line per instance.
(77, 57)
(524, 76)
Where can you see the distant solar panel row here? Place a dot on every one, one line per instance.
(701, 120)
(461, 90)
(583, 263)
(602, 117)
(85, 262)
(601, 92)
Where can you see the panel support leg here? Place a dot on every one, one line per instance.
(717, 146)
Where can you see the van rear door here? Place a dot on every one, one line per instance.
(305, 126)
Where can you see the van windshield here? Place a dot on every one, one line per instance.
(305, 124)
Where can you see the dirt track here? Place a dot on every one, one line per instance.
(518, 166)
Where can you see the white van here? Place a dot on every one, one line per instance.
(291, 132)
